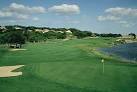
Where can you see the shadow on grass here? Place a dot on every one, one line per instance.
(3, 51)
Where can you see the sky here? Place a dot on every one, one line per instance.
(100, 16)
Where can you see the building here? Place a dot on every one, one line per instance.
(42, 30)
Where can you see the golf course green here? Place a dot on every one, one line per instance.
(68, 66)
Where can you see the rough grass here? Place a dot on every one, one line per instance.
(68, 66)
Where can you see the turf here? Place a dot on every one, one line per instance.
(68, 66)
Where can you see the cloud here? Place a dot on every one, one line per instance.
(35, 19)
(126, 24)
(74, 22)
(5, 14)
(22, 17)
(123, 16)
(65, 9)
(22, 9)
(122, 22)
(21, 12)
(122, 11)
(12, 21)
(108, 17)
(18, 12)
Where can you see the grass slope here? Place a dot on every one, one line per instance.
(68, 66)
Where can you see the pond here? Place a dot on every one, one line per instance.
(127, 51)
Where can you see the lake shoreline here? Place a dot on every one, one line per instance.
(126, 52)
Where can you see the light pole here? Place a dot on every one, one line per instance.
(102, 65)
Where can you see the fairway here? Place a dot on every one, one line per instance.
(67, 66)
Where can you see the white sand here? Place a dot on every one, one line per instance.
(17, 49)
(6, 71)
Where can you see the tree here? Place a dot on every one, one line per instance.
(110, 35)
(13, 38)
(26, 33)
(36, 37)
(132, 34)
(61, 35)
(80, 34)
(3, 38)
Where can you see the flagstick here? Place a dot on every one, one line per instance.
(102, 65)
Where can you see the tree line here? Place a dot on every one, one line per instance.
(11, 35)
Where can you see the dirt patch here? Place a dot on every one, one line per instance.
(6, 71)
(17, 49)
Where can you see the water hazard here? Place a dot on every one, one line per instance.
(127, 51)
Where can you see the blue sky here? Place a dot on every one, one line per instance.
(102, 16)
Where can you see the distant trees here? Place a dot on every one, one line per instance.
(80, 34)
(132, 34)
(110, 35)
(2, 38)
(20, 34)
(55, 35)
(61, 35)
(15, 38)
(36, 37)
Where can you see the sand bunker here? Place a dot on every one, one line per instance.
(6, 71)
(17, 49)
(65, 39)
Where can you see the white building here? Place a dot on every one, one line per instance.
(42, 31)
(68, 31)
